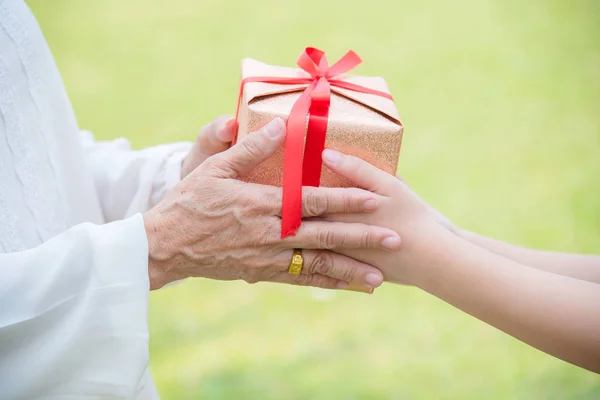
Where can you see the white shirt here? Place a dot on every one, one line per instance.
(73, 285)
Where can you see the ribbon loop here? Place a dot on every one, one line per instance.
(303, 166)
(349, 61)
(311, 61)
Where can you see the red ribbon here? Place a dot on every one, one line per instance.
(313, 102)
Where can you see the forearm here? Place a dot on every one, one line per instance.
(579, 266)
(556, 314)
(129, 182)
(71, 302)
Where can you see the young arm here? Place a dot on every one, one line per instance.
(556, 314)
(579, 266)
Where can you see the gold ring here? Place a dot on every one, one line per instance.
(297, 263)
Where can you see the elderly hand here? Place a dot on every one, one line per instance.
(213, 138)
(215, 226)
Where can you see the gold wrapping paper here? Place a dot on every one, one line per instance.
(364, 125)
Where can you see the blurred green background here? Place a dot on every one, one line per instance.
(501, 104)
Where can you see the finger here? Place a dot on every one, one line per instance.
(322, 200)
(337, 235)
(215, 137)
(360, 172)
(342, 268)
(316, 280)
(250, 152)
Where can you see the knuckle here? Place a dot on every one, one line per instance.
(350, 200)
(307, 280)
(217, 164)
(348, 273)
(359, 196)
(251, 276)
(269, 234)
(265, 202)
(351, 203)
(252, 148)
(366, 239)
(302, 280)
(271, 199)
(315, 205)
(322, 263)
(325, 238)
(323, 282)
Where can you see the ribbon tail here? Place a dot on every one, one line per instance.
(316, 134)
(291, 208)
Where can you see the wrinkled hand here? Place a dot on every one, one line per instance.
(399, 209)
(215, 226)
(212, 139)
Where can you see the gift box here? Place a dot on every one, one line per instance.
(323, 108)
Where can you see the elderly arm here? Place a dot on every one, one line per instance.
(73, 315)
(129, 182)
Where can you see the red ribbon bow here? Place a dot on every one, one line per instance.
(313, 102)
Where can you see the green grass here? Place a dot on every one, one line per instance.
(501, 103)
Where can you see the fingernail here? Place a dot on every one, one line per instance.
(370, 205)
(354, 287)
(274, 128)
(342, 285)
(331, 156)
(391, 243)
(373, 279)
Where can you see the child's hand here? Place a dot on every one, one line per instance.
(421, 228)
(438, 216)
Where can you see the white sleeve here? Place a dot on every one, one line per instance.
(127, 181)
(73, 315)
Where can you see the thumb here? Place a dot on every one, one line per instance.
(251, 151)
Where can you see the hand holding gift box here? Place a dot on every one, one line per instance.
(324, 109)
